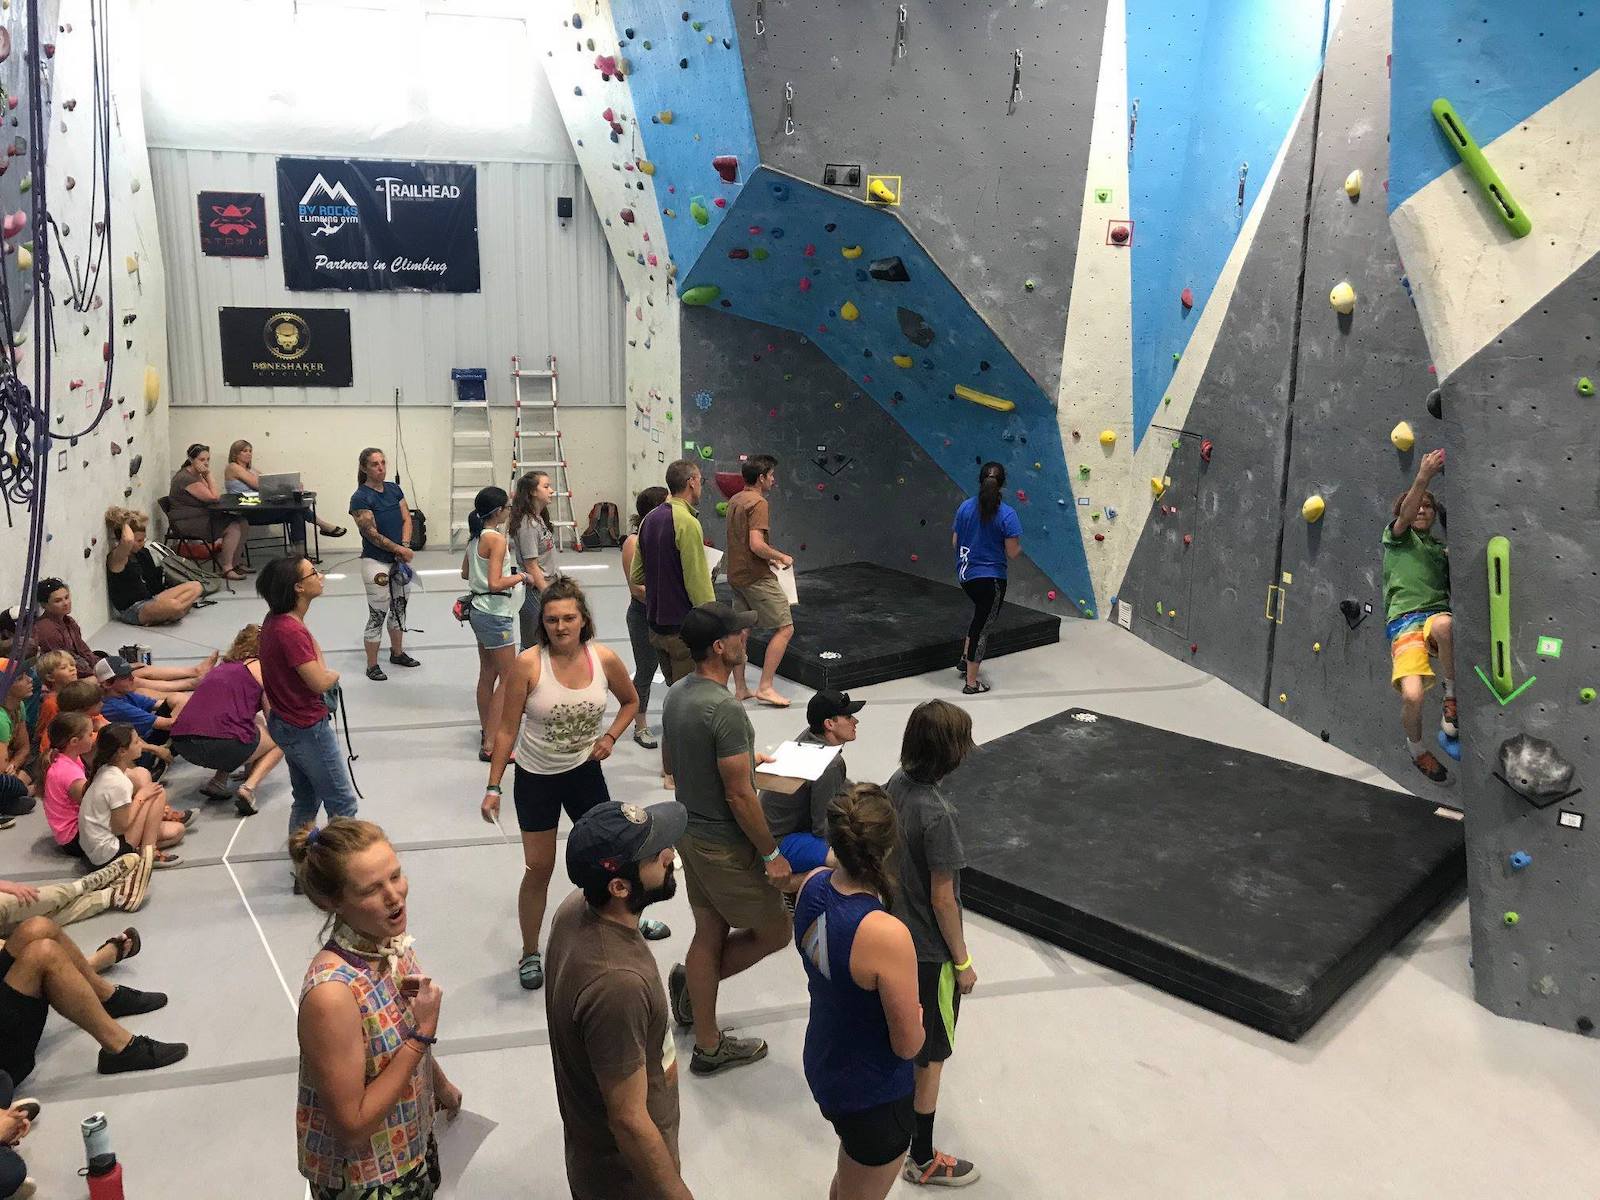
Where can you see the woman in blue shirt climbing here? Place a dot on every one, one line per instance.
(985, 534)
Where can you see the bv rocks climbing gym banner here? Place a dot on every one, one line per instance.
(233, 224)
(279, 347)
(355, 225)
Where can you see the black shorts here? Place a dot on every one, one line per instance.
(21, 1025)
(73, 849)
(876, 1136)
(941, 1006)
(540, 798)
(214, 753)
(122, 848)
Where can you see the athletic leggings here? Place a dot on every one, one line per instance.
(987, 595)
(644, 654)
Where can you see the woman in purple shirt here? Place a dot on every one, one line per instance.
(986, 535)
(223, 726)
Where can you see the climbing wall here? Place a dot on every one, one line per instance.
(987, 175)
(843, 463)
(106, 277)
(1514, 324)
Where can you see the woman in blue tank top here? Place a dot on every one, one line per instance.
(866, 1024)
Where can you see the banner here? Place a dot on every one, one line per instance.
(276, 347)
(233, 224)
(356, 225)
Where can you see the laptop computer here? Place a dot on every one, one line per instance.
(277, 488)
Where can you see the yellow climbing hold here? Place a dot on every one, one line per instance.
(1343, 299)
(1352, 184)
(881, 192)
(903, 361)
(1402, 436)
(850, 251)
(24, 259)
(1157, 485)
(133, 264)
(848, 311)
(1108, 438)
(152, 388)
(646, 167)
(665, 116)
(1313, 509)
(1283, 697)
(1316, 647)
(984, 398)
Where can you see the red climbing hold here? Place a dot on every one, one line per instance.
(727, 166)
(1050, 595)
(627, 216)
(720, 202)
(1194, 647)
(755, 231)
(738, 252)
(914, 558)
(1205, 450)
(1120, 234)
(811, 250)
(822, 487)
(1188, 539)
(1099, 537)
(805, 283)
(1187, 297)
(608, 116)
(1022, 496)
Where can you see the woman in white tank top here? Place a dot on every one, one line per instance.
(554, 706)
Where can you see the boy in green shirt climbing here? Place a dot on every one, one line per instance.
(1416, 597)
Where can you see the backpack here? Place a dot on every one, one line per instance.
(419, 529)
(176, 569)
(605, 527)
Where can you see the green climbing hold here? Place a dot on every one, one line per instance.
(704, 294)
(1585, 386)
(722, 508)
(1083, 471)
(699, 211)
(697, 26)
(1165, 400)
(707, 453)
(1512, 918)
(1587, 695)
(1177, 444)
(759, 254)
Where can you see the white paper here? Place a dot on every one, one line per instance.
(785, 578)
(713, 557)
(800, 760)
(460, 1140)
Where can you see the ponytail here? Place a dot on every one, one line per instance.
(112, 740)
(485, 504)
(861, 833)
(990, 480)
(361, 465)
(63, 728)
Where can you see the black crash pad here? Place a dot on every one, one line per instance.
(859, 623)
(1258, 888)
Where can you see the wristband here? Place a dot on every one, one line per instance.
(769, 859)
(964, 966)
(493, 787)
(610, 735)
(414, 1036)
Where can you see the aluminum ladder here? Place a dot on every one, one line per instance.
(536, 444)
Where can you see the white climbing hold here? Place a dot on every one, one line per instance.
(1343, 299)
(1352, 184)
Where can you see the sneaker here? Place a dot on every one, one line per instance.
(1447, 722)
(961, 668)
(27, 1191)
(244, 802)
(375, 673)
(7, 822)
(114, 871)
(944, 1171)
(653, 930)
(678, 995)
(1431, 767)
(530, 971)
(130, 1002)
(142, 1054)
(730, 1052)
(646, 737)
(403, 660)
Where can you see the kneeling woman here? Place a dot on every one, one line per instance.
(556, 693)
(222, 728)
(496, 595)
(369, 1084)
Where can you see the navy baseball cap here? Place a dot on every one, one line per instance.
(706, 623)
(111, 667)
(611, 835)
(825, 705)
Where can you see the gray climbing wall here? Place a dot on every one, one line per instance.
(851, 484)
(1532, 443)
(993, 194)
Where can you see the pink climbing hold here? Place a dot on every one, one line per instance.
(805, 283)
(1050, 595)
(755, 231)
(914, 558)
(727, 166)
(822, 487)
(1187, 297)
(772, 413)
(1188, 539)
(720, 202)
(608, 116)
(1022, 496)
(651, 259)
(606, 64)
(811, 250)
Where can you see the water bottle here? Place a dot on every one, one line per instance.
(105, 1178)
(96, 1137)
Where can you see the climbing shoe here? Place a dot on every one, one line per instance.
(1431, 767)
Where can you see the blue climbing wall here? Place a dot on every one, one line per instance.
(780, 258)
(1441, 48)
(686, 62)
(1217, 85)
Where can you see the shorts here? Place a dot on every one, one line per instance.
(1410, 637)
(493, 631)
(941, 1006)
(73, 849)
(122, 848)
(214, 753)
(728, 879)
(803, 852)
(673, 655)
(130, 615)
(21, 1025)
(876, 1136)
(765, 598)
(540, 798)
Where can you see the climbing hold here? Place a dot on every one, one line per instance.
(881, 192)
(1343, 299)
(1512, 918)
(1205, 450)
(1157, 485)
(704, 294)
(1186, 297)
(152, 388)
(1402, 437)
(1022, 496)
(1436, 404)
(1316, 647)
(1108, 438)
(1313, 509)
(914, 558)
(1283, 697)
(646, 167)
(1029, 284)
(903, 361)
(850, 251)
(1194, 647)
(1050, 595)
(1535, 769)
(24, 259)
(1099, 537)
(1586, 695)
(805, 283)
(738, 253)
(132, 263)
(760, 254)
(627, 216)
(984, 398)
(1083, 473)
(1519, 859)
(727, 166)
(699, 211)
(917, 331)
(1352, 184)
(722, 508)
(1120, 234)
(15, 223)
(848, 311)
(889, 270)
(1188, 539)
(664, 117)
(1585, 386)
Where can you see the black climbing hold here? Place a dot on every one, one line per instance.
(686, 14)
(889, 270)
(916, 330)
(899, 398)
(984, 365)
(134, 464)
(829, 227)
(628, 33)
(1324, 735)
(1585, 1025)
(866, 353)
(1350, 610)
(727, 43)
(727, 304)
(684, 63)
(1436, 404)
(1535, 769)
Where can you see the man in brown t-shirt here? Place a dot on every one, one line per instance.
(615, 1063)
(750, 561)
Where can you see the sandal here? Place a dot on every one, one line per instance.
(166, 858)
(975, 689)
(336, 531)
(244, 801)
(126, 944)
(234, 575)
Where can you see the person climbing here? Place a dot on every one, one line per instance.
(1416, 600)
(985, 535)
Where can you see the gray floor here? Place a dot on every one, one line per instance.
(1070, 1081)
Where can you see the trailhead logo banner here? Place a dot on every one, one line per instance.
(233, 224)
(285, 347)
(360, 225)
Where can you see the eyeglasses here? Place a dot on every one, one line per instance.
(315, 571)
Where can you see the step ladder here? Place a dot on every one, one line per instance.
(471, 448)
(536, 444)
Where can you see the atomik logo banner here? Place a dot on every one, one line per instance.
(277, 347)
(358, 225)
(233, 224)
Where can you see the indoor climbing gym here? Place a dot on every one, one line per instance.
(563, 464)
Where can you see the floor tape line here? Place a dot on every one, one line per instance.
(260, 933)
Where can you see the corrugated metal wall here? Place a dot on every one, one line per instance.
(548, 287)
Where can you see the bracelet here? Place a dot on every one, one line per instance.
(415, 1036)
(773, 857)
(610, 735)
(492, 787)
(964, 966)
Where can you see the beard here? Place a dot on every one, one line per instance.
(641, 898)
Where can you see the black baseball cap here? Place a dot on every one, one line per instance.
(831, 704)
(111, 667)
(611, 835)
(704, 625)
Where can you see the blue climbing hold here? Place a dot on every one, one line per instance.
(702, 400)
(1520, 859)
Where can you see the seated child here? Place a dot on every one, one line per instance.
(72, 736)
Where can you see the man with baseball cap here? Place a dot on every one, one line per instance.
(610, 1041)
(799, 820)
(731, 862)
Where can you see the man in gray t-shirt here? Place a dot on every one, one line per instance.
(799, 819)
